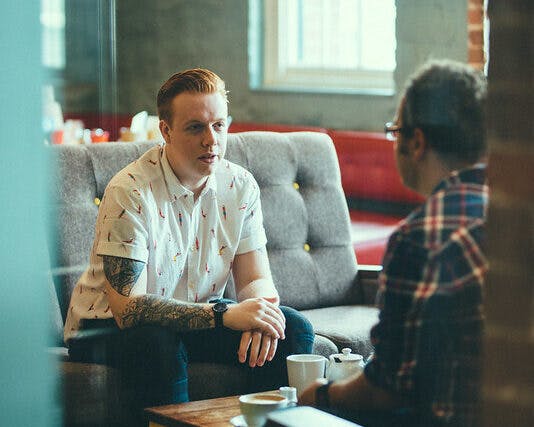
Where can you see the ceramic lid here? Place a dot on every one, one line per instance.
(346, 356)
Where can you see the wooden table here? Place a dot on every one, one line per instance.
(218, 412)
(211, 413)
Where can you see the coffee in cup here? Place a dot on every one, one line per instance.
(256, 406)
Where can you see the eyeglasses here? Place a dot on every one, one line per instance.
(392, 131)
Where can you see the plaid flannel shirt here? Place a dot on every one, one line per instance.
(428, 337)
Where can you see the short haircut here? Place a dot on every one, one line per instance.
(446, 100)
(196, 80)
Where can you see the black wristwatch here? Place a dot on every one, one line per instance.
(218, 310)
(322, 399)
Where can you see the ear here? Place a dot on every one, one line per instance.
(165, 130)
(418, 144)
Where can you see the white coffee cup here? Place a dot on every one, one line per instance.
(304, 369)
(256, 406)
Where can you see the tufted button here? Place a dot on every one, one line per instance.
(306, 247)
(296, 185)
(97, 201)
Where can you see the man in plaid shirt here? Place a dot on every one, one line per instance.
(426, 367)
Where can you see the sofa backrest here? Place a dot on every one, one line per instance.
(305, 213)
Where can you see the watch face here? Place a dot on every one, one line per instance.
(220, 307)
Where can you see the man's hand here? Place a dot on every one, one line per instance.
(307, 398)
(262, 348)
(256, 314)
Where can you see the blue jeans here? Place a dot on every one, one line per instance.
(152, 360)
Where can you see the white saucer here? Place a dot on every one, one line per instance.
(238, 421)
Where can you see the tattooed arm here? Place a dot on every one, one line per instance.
(129, 310)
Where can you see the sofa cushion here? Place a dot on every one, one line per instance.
(346, 326)
(90, 395)
(305, 215)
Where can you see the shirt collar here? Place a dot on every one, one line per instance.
(475, 174)
(175, 187)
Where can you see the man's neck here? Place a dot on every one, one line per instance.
(431, 173)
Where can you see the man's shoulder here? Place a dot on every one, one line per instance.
(140, 174)
(441, 217)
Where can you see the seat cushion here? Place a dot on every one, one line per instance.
(346, 326)
(90, 395)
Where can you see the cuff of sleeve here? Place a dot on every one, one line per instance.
(322, 398)
(252, 242)
(122, 250)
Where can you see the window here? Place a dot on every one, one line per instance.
(53, 40)
(329, 45)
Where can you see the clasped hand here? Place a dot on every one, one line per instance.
(262, 323)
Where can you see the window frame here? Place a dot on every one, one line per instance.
(278, 75)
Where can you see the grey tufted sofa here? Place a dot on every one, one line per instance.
(309, 245)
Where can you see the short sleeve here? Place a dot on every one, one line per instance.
(122, 226)
(252, 234)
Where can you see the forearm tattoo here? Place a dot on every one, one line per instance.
(122, 273)
(178, 315)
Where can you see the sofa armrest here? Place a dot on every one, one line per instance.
(367, 280)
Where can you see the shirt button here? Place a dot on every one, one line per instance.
(96, 201)
(296, 185)
(307, 247)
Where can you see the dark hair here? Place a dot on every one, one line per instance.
(196, 80)
(446, 100)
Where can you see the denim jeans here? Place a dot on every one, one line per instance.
(152, 360)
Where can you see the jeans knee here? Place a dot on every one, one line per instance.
(296, 321)
(299, 331)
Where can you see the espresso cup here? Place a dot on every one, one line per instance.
(304, 369)
(256, 406)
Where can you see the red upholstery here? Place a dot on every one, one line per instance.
(236, 127)
(368, 168)
(370, 234)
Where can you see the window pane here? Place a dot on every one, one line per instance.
(342, 34)
(53, 24)
(378, 35)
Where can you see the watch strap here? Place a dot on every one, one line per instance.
(218, 310)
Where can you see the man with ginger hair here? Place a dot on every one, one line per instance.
(171, 228)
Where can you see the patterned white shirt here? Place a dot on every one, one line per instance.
(187, 246)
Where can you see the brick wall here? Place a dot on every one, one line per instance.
(508, 389)
(475, 33)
